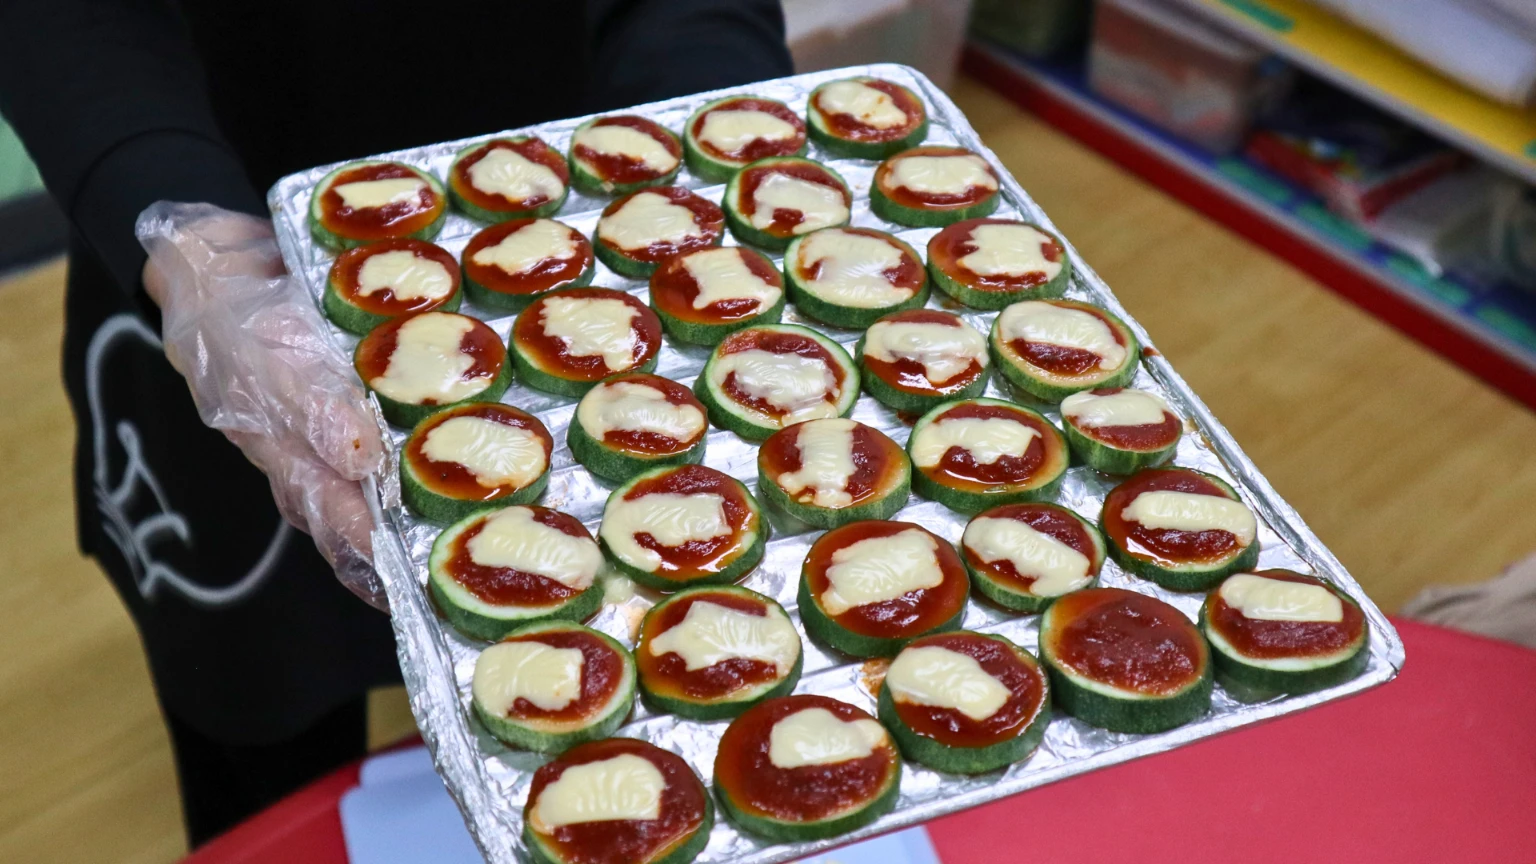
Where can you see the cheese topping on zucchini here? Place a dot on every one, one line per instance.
(1038, 321)
(711, 633)
(930, 675)
(627, 141)
(647, 219)
(632, 406)
(943, 351)
(816, 736)
(369, 194)
(512, 539)
(880, 569)
(1126, 408)
(864, 103)
(548, 677)
(514, 176)
(1188, 511)
(1056, 567)
(523, 249)
(619, 789)
(942, 175)
(849, 269)
(987, 439)
(731, 130)
(819, 206)
(1009, 250)
(427, 362)
(497, 454)
(405, 275)
(669, 518)
(591, 326)
(826, 462)
(1277, 600)
(791, 383)
(721, 274)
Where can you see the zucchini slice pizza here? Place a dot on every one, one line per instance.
(1180, 528)
(508, 178)
(362, 202)
(634, 422)
(509, 264)
(848, 277)
(1051, 349)
(763, 378)
(1121, 430)
(833, 471)
(419, 363)
(921, 358)
(990, 263)
(371, 284)
(552, 685)
(973, 454)
(725, 135)
(566, 341)
(683, 525)
(866, 118)
(473, 456)
(928, 187)
(703, 295)
(1024, 556)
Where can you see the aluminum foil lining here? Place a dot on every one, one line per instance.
(490, 781)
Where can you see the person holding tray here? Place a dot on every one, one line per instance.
(261, 660)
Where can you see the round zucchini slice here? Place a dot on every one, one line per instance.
(760, 379)
(552, 685)
(869, 588)
(371, 284)
(833, 471)
(362, 202)
(508, 178)
(509, 264)
(1024, 556)
(634, 422)
(617, 801)
(772, 201)
(623, 153)
(638, 232)
(918, 359)
(965, 703)
(712, 652)
(973, 454)
(1124, 661)
(1051, 349)
(727, 134)
(866, 118)
(849, 277)
(928, 187)
(1276, 632)
(566, 341)
(1181, 528)
(469, 457)
(990, 263)
(419, 363)
(805, 767)
(1121, 431)
(702, 296)
(683, 525)
(495, 571)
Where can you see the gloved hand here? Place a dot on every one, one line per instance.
(264, 370)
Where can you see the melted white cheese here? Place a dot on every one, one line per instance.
(369, 194)
(427, 362)
(590, 326)
(632, 406)
(732, 129)
(405, 275)
(988, 439)
(819, 206)
(514, 176)
(646, 219)
(852, 269)
(497, 454)
(864, 103)
(815, 736)
(880, 569)
(1055, 567)
(523, 249)
(1047, 323)
(1009, 250)
(942, 175)
(1187, 511)
(511, 539)
(669, 518)
(625, 141)
(941, 678)
(1276, 600)
(622, 788)
(826, 462)
(548, 677)
(711, 633)
(943, 351)
(1126, 408)
(722, 274)
(791, 383)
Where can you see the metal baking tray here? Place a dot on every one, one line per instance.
(490, 781)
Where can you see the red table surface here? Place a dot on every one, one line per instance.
(1439, 765)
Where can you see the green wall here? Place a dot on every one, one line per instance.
(17, 174)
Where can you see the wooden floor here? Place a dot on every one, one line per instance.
(1409, 469)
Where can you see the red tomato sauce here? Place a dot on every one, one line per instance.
(958, 468)
(1048, 519)
(674, 290)
(850, 128)
(706, 214)
(347, 269)
(910, 376)
(776, 342)
(1166, 546)
(647, 442)
(932, 200)
(1273, 640)
(1146, 437)
(908, 615)
(547, 275)
(506, 586)
(757, 148)
(669, 673)
(1127, 640)
(531, 148)
(877, 462)
(602, 671)
(550, 353)
(955, 242)
(784, 218)
(398, 219)
(453, 480)
(481, 343)
(1025, 683)
(619, 168)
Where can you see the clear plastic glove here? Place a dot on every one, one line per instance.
(264, 370)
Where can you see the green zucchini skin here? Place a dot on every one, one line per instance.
(717, 405)
(705, 166)
(497, 301)
(442, 510)
(1190, 577)
(515, 734)
(828, 632)
(1110, 459)
(744, 564)
(1021, 375)
(915, 217)
(337, 243)
(780, 831)
(491, 217)
(816, 128)
(911, 403)
(883, 507)
(622, 264)
(1250, 682)
(585, 181)
(1015, 600)
(742, 228)
(541, 853)
(980, 298)
(358, 321)
(406, 415)
(836, 314)
(533, 376)
(969, 502)
(611, 464)
(699, 333)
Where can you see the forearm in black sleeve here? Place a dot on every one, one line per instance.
(645, 50)
(110, 101)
